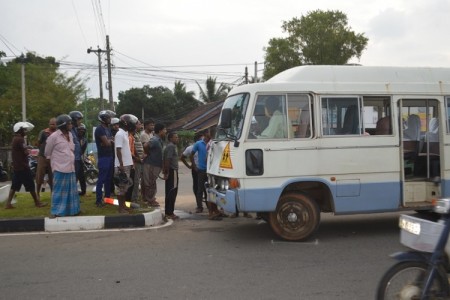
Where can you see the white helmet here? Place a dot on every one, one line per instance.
(27, 126)
(114, 121)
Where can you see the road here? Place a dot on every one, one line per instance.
(199, 259)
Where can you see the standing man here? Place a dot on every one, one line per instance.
(200, 148)
(149, 127)
(185, 155)
(123, 160)
(104, 141)
(138, 159)
(60, 150)
(77, 117)
(153, 164)
(43, 165)
(22, 173)
(170, 171)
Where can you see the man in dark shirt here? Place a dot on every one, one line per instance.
(22, 173)
(43, 165)
(153, 164)
(170, 171)
(104, 141)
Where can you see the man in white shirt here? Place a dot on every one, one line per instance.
(123, 160)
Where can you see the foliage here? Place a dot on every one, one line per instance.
(159, 103)
(48, 93)
(319, 38)
(185, 138)
(25, 207)
(211, 93)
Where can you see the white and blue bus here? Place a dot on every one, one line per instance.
(332, 139)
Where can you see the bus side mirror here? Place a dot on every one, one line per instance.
(225, 118)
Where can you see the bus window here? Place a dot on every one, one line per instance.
(299, 116)
(377, 115)
(341, 116)
(269, 119)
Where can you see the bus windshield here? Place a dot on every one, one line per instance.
(238, 105)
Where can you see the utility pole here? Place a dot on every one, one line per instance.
(99, 54)
(256, 71)
(108, 59)
(24, 100)
(246, 75)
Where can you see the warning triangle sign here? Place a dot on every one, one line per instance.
(225, 162)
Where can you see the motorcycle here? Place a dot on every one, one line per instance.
(32, 163)
(423, 272)
(90, 170)
(3, 173)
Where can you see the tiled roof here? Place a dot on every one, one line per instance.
(200, 118)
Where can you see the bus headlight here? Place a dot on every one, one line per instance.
(223, 184)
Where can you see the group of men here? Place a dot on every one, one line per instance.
(129, 157)
(134, 157)
(60, 149)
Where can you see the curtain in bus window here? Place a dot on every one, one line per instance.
(299, 116)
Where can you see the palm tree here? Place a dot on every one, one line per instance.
(211, 94)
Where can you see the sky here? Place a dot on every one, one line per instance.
(156, 42)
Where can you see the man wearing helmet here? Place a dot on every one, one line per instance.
(123, 159)
(60, 150)
(22, 174)
(104, 141)
(77, 117)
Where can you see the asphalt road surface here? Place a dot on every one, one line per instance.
(195, 258)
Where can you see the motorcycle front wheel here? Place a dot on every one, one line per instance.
(91, 176)
(405, 280)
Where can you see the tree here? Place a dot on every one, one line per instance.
(184, 101)
(319, 38)
(49, 93)
(211, 93)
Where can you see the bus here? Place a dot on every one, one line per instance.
(332, 139)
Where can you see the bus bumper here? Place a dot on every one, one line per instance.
(226, 200)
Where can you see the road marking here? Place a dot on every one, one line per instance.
(314, 243)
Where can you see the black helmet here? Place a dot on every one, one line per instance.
(63, 120)
(104, 115)
(75, 115)
(128, 122)
(121, 178)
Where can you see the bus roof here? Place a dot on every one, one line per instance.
(358, 79)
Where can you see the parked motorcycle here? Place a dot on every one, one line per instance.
(423, 272)
(32, 163)
(90, 170)
(3, 173)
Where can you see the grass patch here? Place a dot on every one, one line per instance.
(25, 207)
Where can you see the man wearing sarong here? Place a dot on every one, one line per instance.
(60, 150)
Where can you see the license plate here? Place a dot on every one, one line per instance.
(409, 226)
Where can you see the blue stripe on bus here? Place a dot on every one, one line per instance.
(371, 197)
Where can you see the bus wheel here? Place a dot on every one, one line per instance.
(297, 217)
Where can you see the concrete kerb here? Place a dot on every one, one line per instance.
(82, 222)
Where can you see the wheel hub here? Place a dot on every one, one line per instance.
(292, 217)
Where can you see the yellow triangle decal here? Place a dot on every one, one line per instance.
(225, 162)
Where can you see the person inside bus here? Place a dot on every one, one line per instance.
(277, 122)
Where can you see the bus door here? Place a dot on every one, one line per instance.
(420, 147)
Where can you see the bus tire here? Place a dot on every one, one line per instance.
(296, 218)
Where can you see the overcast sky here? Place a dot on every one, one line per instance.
(194, 39)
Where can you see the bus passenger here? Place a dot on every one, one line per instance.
(276, 127)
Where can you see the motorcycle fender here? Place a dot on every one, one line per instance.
(411, 256)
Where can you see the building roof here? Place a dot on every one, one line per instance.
(202, 117)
